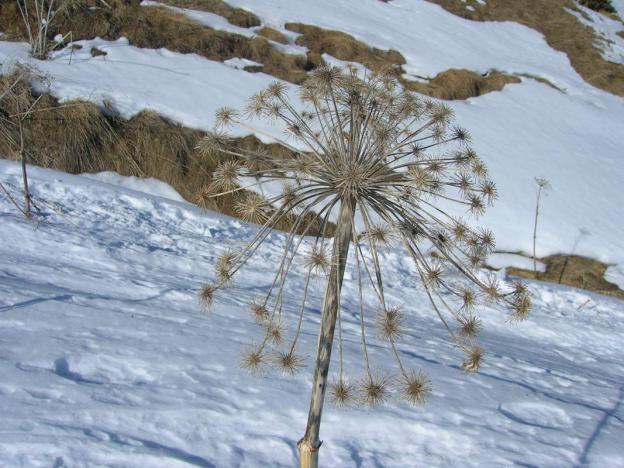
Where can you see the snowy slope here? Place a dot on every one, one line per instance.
(573, 137)
(106, 358)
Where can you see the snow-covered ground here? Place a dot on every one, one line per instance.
(107, 360)
(572, 138)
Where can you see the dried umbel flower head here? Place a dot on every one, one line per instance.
(374, 168)
(391, 323)
(259, 311)
(416, 388)
(206, 296)
(289, 362)
(341, 392)
(253, 360)
(375, 390)
(253, 208)
(474, 359)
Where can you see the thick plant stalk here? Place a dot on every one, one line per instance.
(27, 198)
(310, 443)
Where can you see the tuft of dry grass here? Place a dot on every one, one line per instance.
(573, 270)
(273, 35)
(561, 29)
(235, 16)
(462, 84)
(344, 47)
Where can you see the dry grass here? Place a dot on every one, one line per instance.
(573, 270)
(235, 16)
(76, 137)
(561, 29)
(462, 84)
(273, 35)
(344, 47)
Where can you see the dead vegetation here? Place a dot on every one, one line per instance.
(77, 137)
(273, 35)
(235, 16)
(561, 29)
(573, 270)
(344, 47)
(462, 84)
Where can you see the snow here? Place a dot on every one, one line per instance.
(205, 18)
(501, 260)
(420, 31)
(615, 275)
(619, 7)
(610, 44)
(146, 185)
(240, 63)
(107, 359)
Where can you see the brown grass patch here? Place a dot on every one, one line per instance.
(235, 16)
(561, 29)
(344, 47)
(461, 84)
(573, 270)
(273, 35)
(76, 137)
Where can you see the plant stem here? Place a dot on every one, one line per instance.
(539, 193)
(310, 443)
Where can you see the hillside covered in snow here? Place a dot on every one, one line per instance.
(106, 356)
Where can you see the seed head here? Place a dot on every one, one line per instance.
(341, 392)
(289, 362)
(390, 323)
(474, 359)
(206, 296)
(375, 390)
(416, 388)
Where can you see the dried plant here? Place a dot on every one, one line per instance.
(378, 154)
(37, 16)
(542, 187)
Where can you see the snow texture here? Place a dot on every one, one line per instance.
(107, 359)
(573, 136)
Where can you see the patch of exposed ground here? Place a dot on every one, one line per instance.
(77, 137)
(561, 29)
(573, 270)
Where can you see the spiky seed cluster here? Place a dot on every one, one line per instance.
(416, 388)
(253, 360)
(253, 208)
(391, 323)
(342, 393)
(375, 390)
(393, 158)
(289, 362)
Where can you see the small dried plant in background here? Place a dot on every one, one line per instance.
(382, 164)
(543, 186)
